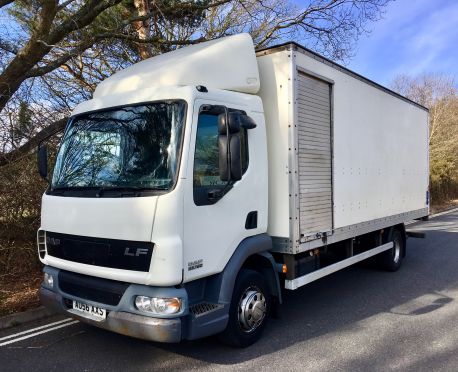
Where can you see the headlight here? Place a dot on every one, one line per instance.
(157, 305)
(48, 280)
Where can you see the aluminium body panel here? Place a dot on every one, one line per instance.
(276, 92)
(379, 150)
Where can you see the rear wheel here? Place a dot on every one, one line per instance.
(391, 259)
(249, 308)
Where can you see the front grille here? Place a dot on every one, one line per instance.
(113, 253)
(100, 290)
(41, 241)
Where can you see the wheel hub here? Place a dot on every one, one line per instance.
(252, 309)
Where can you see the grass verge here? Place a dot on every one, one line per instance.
(19, 292)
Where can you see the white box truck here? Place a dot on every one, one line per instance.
(196, 186)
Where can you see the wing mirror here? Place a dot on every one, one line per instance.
(229, 146)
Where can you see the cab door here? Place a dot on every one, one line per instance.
(214, 227)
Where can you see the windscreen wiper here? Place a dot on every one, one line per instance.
(74, 188)
(128, 189)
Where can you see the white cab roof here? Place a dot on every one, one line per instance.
(228, 63)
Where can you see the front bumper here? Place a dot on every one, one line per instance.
(134, 325)
(198, 318)
(122, 315)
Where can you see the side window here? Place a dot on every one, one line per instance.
(206, 156)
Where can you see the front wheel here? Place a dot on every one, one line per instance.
(249, 308)
(391, 259)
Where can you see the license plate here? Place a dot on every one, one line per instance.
(89, 311)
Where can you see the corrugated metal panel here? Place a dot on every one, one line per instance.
(314, 155)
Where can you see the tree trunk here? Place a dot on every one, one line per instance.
(142, 27)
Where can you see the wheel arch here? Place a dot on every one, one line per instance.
(252, 253)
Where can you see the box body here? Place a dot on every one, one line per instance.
(346, 155)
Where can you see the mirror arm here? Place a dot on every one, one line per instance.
(247, 122)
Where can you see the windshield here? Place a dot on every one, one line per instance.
(130, 147)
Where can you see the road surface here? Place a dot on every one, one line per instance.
(359, 319)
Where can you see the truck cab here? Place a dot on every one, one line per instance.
(144, 192)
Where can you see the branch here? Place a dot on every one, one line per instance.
(152, 40)
(13, 75)
(8, 47)
(297, 20)
(82, 18)
(44, 134)
(43, 40)
(65, 4)
(5, 2)
(183, 6)
(58, 62)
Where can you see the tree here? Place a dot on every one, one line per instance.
(76, 43)
(439, 94)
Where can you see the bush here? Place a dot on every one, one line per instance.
(21, 189)
(444, 180)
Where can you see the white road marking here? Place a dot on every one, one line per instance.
(35, 329)
(39, 333)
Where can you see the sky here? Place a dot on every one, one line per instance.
(414, 37)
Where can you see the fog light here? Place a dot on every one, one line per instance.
(156, 305)
(48, 280)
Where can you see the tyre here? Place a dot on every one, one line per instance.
(249, 309)
(391, 259)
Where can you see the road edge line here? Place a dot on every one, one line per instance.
(447, 211)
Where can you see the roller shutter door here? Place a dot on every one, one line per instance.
(314, 155)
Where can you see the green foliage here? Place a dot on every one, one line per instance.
(444, 176)
(183, 15)
(24, 12)
(23, 126)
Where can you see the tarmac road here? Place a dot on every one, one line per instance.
(359, 319)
